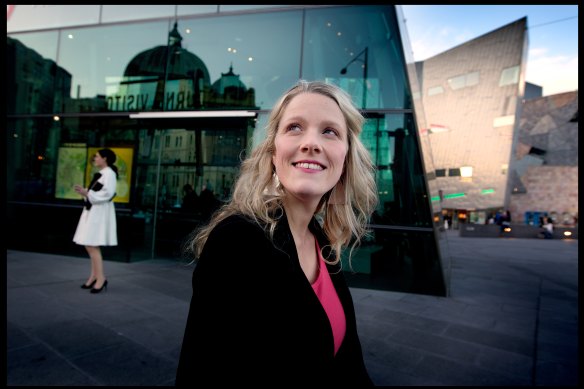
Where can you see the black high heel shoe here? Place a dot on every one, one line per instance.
(89, 286)
(95, 290)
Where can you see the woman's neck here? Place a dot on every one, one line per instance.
(299, 215)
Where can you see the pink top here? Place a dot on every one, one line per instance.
(325, 290)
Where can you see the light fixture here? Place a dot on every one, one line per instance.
(454, 195)
(365, 61)
(466, 171)
(192, 114)
(438, 128)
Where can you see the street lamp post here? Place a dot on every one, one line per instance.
(365, 61)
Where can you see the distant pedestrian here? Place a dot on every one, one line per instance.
(505, 221)
(190, 201)
(508, 216)
(547, 228)
(499, 217)
(97, 224)
(208, 202)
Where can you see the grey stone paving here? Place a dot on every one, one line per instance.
(511, 320)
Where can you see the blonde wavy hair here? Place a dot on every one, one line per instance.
(343, 211)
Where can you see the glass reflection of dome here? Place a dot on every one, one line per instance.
(229, 91)
(229, 83)
(182, 64)
(179, 81)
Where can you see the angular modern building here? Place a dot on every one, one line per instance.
(472, 98)
(545, 175)
(181, 93)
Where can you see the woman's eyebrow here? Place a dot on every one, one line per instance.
(326, 122)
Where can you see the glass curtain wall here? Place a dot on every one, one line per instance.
(78, 89)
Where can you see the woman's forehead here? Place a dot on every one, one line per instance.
(315, 105)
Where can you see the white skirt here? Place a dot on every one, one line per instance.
(97, 226)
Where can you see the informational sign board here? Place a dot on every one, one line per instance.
(124, 158)
(71, 164)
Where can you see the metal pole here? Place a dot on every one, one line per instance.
(365, 68)
(365, 65)
(155, 216)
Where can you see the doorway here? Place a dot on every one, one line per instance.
(184, 170)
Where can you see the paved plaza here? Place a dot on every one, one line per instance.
(511, 320)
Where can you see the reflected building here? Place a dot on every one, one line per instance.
(183, 99)
(171, 78)
(230, 92)
(46, 87)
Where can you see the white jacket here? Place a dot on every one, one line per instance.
(97, 226)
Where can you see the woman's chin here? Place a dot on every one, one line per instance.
(306, 196)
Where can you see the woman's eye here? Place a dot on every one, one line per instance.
(330, 131)
(293, 127)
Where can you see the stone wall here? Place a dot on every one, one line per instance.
(517, 231)
(551, 189)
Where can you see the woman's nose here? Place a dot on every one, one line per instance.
(311, 143)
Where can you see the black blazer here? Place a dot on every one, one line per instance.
(255, 319)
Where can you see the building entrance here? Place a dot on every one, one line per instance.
(184, 171)
(175, 170)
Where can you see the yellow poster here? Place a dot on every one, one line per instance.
(124, 158)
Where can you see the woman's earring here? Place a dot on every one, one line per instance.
(274, 186)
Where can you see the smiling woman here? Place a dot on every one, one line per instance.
(279, 273)
(310, 148)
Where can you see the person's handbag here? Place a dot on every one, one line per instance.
(95, 186)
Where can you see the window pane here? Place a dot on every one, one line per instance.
(435, 90)
(32, 74)
(43, 43)
(472, 78)
(262, 49)
(123, 69)
(183, 9)
(509, 76)
(116, 13)
(43, 163)
(457, 82)
(97, 56)
(350, 45)
(51, 16)
(400, 180)
(502, 121)
(241, 7)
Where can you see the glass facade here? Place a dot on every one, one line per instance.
(210, 80)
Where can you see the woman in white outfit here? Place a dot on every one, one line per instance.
(97, 224)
